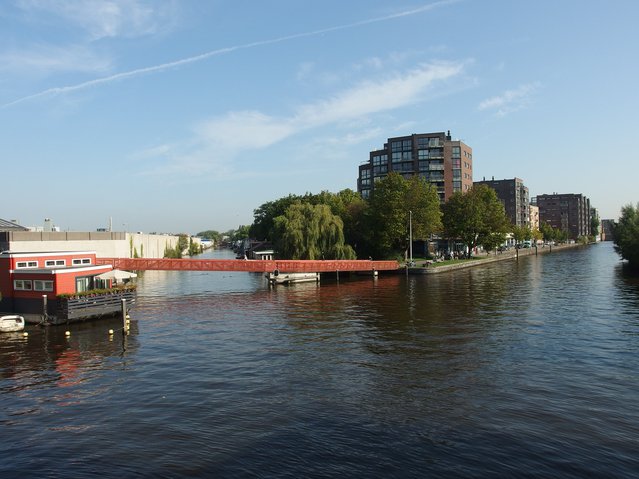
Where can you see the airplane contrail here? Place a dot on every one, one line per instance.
(221, 51)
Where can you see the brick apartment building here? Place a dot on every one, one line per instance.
(567, 212)
(442, 161)
(515, 197)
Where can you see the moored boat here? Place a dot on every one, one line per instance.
(11, 323)
(289, 278)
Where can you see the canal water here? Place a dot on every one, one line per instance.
(524, 368)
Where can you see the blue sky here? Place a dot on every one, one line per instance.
(180, 116)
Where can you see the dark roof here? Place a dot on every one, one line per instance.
(9, 226)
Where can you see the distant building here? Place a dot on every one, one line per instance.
(607, 229)
(11, 226)
(567, 212)
(442, 161)
(534, 217)
(514, 195)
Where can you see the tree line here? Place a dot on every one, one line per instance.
(626, 235)
(343, 225)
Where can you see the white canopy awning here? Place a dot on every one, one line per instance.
(117, 275)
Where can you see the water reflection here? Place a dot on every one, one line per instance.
(48, 355)
(500, 370)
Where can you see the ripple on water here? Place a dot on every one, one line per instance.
(517, 369)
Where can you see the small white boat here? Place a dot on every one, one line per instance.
(289, 278)
(12, 323)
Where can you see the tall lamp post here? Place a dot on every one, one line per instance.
(410, 236)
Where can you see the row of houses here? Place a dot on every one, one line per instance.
(448, 165)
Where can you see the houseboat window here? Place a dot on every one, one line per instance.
(39, 285)
(83, 284)
(27, 264)
(82, 261)
(22, 285)
(55, 262)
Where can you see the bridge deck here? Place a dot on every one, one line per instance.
(256, 266)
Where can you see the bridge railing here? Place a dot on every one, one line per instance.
(257, 266)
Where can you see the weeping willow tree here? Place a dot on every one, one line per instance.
(307, 231)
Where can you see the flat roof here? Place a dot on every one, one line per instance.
(42, 253)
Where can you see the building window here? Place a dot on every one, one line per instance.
(379, 170)
(456, 174)
(457, 163)
(39, 285)
(78, 261)
(380, 159)
(456, 185)
(22, 285)
(402, 156)
(366, 173)
(456, 152)
(396, 146)
(26, 264)
(436, 153)
(54, 262)
(406, 166)
(422, 154)
(433, 142)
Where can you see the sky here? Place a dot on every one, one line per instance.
(173, 116)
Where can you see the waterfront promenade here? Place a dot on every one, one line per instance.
(428, 267)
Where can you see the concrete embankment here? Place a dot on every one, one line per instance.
(433, 268)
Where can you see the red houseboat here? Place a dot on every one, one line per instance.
(60, 287)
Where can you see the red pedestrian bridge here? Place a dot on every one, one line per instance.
(254, 266)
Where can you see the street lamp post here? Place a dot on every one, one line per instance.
(410, 236)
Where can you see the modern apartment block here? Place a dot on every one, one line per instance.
(444, 162)
(567, 212)
(515, 197)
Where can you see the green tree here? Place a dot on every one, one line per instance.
(393, 202)
(537, 235)
(594, 226)
(493, 240)
(474, 216)
(561, 236)
(521, 233)
(264, 217)
(626, 235)
(212, 235)
(194, 248)
(349, 206)
(307, 231)
(548, 232)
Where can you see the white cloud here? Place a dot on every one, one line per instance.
(78, 10)
(372, 97)
(510, 100)
(226, 136)
(108, 18)
(48, 58)
(244, 130)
